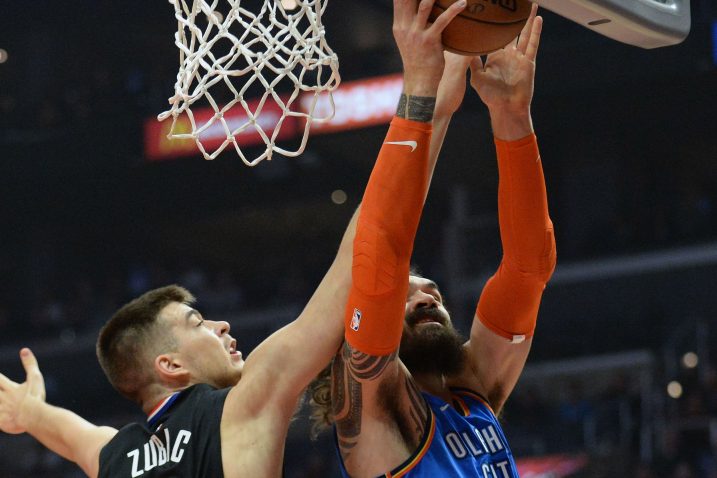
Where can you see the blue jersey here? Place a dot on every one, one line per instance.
(463, 439)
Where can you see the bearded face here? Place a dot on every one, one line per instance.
(429, 343)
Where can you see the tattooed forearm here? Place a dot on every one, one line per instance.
(348, 418)
(346, 406)
(350, 369)
(364, 366)
(338, 388)
(416, 108)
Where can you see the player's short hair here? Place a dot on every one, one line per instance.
(132, 338)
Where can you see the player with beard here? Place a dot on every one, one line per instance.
(210, 413)
(430, 350)
(433, 411)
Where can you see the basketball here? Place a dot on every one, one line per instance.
(484, 26)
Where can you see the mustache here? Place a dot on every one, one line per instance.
(413, 317)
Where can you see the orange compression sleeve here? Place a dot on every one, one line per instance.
(385, 231)
(510, 300)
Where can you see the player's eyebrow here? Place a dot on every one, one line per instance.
(433, 285)
(190, 313)
(429, 284)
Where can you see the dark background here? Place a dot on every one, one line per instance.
(629, 144)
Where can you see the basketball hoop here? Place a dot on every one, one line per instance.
(643, 23)
(236, 64)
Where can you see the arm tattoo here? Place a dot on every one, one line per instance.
(364, 366)
(416, 108)
(347, 416)
(349, 369)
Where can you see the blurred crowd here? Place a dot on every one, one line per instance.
(624, 193)
(676, 439)
(82, 306)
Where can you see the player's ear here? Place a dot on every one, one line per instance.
(171, 368)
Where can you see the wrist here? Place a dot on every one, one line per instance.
(416, 108)
(509, 126)
(441, 123)
(421, 85)
(32, 414)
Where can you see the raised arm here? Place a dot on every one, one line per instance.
(23, 410)
(451, 91)
(386, 229)
(279, 369)
(311, 340)
(507, 311)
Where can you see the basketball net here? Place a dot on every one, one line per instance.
(272, 56)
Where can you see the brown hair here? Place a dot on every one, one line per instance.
(132, 335)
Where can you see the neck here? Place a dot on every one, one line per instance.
(433, 383)
(155, 395)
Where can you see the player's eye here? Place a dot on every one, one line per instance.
(201, 322)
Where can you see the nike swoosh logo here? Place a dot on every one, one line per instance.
(412, 144)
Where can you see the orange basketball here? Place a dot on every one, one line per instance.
(484, 26)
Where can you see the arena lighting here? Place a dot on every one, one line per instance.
(690, 360)
(3, 55)
(643, 23)
(674, 389)
(339, 196)
(359, 104)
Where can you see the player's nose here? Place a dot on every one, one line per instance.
(421, 300)
(221, 327)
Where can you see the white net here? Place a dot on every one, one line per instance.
(252, 73)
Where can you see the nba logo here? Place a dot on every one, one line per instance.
(356, 320)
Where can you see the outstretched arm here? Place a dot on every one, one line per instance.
(451, 91)
(279, 369)
(23, 410)
(367, 369)
(507, 311)
(311, 340)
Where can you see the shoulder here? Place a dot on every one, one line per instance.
(200, 407)
(127, 431)
(127, 436)
(253, 400)
(200, 397)
(472, 399)
(469, 381)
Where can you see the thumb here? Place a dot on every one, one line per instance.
(34, 377)
(476, 69)
(476, 65)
